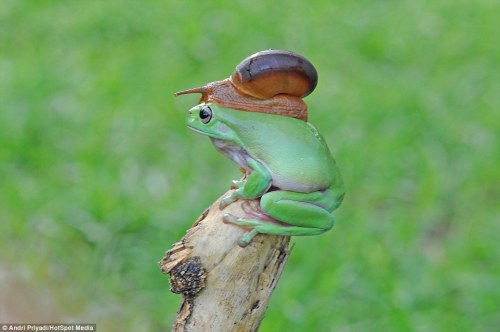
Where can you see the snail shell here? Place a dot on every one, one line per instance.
(271, 81)
(268, 73)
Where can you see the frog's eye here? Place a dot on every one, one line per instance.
(206, 114)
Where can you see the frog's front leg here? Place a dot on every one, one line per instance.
(256, 184)
(302, 213)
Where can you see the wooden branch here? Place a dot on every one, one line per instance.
(225, 287)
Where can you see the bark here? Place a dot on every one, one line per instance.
(225, 287)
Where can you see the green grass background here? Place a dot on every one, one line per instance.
(99, 175)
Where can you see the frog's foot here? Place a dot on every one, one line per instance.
(247, 223)
(226, 201)
(256, 221)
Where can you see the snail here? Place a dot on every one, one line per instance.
(271, 81)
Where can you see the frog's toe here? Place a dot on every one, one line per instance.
(247, 238)
(243, 243)
(244, 240)
(230, 219)
(225, 202)
(243, 222)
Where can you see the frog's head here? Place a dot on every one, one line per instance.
(208, 119)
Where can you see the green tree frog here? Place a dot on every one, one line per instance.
(287, 164)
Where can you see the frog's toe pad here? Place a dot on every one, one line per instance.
(243, 222)
(229, 219)
(243, 243)
(247, 238)
(223, 204)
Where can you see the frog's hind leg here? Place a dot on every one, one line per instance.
(266, 227)
(295, 214)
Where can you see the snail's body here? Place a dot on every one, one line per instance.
(267, 82)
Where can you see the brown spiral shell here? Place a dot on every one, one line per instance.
(268, 73)
(272, 81)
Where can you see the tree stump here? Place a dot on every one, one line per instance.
(225, 287)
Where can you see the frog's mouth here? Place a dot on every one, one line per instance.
(200, 131)
(196, 130)
(203, 132)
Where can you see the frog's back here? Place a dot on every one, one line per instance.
(293, 151)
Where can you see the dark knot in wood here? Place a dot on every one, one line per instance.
(188, 278)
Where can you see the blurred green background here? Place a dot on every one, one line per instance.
(99, 175)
